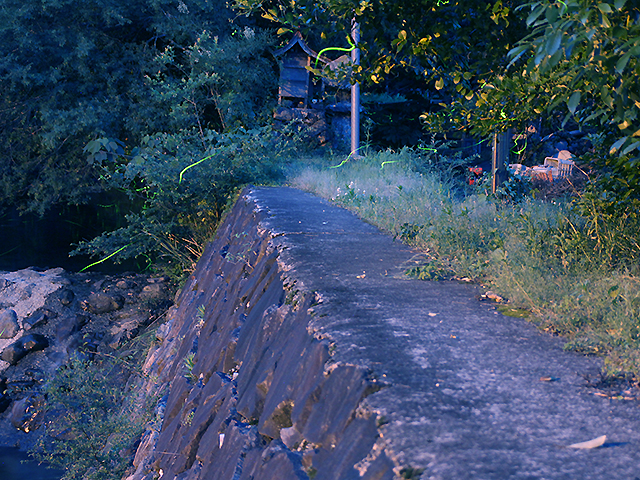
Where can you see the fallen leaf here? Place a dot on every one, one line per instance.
(549, 378)
(495, 297)
(432, 314)
(361, 276)
(595, 443)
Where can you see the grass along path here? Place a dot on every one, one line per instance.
(539, 256)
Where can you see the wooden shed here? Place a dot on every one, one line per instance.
(296, 87)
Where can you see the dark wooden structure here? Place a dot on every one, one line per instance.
(296, 86)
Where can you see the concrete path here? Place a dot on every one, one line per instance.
(464, 398)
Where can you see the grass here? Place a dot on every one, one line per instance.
(96, 413)
(572, 273)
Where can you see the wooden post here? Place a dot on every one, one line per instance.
(355, 93)
(501, 145)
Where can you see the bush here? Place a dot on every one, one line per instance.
(92, 421)
(185, 181)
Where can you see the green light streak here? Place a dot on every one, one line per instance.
(388, 161)
(526, 139)
(347, 159)
(428, 149)
(193, 165)
(8, 251)
(338, 49)
(105, 258)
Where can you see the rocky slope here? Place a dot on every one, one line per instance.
(48, 317)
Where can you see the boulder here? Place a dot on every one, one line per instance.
(68, 325)
(27, 414)
(66, 297)
(9, 327)
(23, 346)
(153, 291)
(100, 303)
(37, 319)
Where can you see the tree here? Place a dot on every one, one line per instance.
(580, 57)
(76, 70)
(596, 48)
(447, 44)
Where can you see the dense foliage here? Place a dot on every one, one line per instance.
(73, 71)
(445, 44)
(184, 180)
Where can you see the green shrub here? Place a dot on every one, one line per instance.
(92, 421)
(185, 181)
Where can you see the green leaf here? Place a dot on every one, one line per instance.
(533, 16)
(516, 53)
(573, 102)
(554, 42)
(622, 62)
(616, 146)
(552, 14)
(631, 148)
(440, 84)
(619, 4)
(605, 8)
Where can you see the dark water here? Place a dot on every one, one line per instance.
(17, 465)
(30, 241)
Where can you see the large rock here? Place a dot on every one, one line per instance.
(37, 319)
(27, 413)
(9, 327)
(100, 303)
(68, 325)
(23, 346)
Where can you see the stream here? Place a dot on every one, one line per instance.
(28, 240)
(17, 465)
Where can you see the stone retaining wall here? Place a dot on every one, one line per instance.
(249, 389)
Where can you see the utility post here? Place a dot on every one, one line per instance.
(501, 145)
(355, 92)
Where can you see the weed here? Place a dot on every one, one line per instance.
(92, 419)
(186, 421)
(189, 364)
(411, 473)
(513, 312)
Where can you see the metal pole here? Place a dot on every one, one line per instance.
(501, 144)
(355, 92)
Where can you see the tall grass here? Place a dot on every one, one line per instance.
(543, 256)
